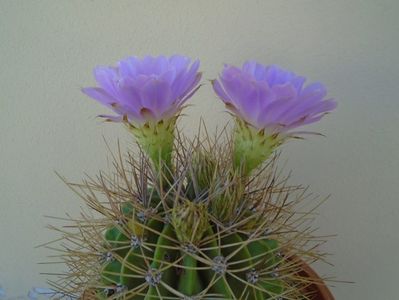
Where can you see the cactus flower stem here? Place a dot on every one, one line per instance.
(252, 147)
(157, 139)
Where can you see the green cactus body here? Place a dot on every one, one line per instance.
(161, 263)
(110, 273)
(220, 287)
(210, 231)
(266, 257)
(111, 236)
(150, 269)
(189, 282)
(131, 265)
(240, 260)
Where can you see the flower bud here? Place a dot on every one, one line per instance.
(190, 220)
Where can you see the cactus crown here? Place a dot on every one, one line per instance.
(206, 232)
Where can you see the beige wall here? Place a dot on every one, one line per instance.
(47, 51)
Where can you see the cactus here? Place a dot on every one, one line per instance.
(229, 237)
(211, 218)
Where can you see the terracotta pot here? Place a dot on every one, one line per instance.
(318, 290)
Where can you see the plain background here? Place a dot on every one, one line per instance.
(47, 52)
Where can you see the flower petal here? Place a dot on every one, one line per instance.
(99, 94)
(217, 87)
(106, 78)
(155, 96)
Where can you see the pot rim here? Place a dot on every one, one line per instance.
(319, 287)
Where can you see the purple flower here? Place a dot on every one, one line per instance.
(270, 98)
(145, 90)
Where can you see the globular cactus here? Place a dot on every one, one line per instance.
(222, 238)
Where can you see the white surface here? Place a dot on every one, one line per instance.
(47, 52)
